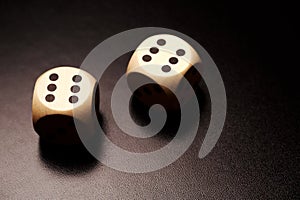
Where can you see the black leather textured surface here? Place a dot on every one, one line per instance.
(257, 154)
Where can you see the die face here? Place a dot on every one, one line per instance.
(165, 60)
(63, 88)
(61, 97)
(163, 55)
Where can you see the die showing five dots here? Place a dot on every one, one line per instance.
(164, 59)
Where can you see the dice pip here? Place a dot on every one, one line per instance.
(58, 93)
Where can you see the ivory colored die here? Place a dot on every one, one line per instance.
(163, 59)
(58, 93)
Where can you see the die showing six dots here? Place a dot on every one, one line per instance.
(55, 104)
(74, 89)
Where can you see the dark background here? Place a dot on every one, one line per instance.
(254, 47)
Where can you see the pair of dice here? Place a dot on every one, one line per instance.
(59, 92)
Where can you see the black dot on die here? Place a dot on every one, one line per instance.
(138, 93)
(166, 68)
(147, 91)
(50, 97)
(73, 99)
(161, 42)
(157, 88)
(51, 87)
(61, 131)
(154, 50)
(77, 78)
(146, 58)
(180, 52)
(53, 77)
(75, 88)
(173, 60)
